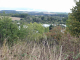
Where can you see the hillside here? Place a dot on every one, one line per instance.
(32, 12)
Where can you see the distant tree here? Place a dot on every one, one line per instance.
(20, 15)
(50, 27)
(64, 19)
(42, 17)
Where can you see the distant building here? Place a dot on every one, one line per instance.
(46, 25)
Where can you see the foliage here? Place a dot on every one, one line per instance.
(8, 29)
(73, 22)
(22, 32)
(14, 32)
(50, 27)
(46, 29)
(20, 15)
(11, 31)
(50, 19)
(35, 31)
(55, 33)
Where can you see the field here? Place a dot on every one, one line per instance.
(15, 18)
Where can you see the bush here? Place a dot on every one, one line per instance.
(55, 34)
(35, 31)
(10, 31)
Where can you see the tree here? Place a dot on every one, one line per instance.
(50, 27)
(73, 22)
(22, 31)
(8, 30)
(35, 31)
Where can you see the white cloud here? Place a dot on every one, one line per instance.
(50, 5)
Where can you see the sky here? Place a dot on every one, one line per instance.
(39, 5)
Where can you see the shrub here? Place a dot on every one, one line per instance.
(8, 30)
(55, 34)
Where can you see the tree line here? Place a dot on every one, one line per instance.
(50, 19)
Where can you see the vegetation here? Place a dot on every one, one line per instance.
(8, 30)
(68, 49)
(19, 15)
(73, 22)
(27, 39)
(50, 27)
(14, 32)
(57, 18)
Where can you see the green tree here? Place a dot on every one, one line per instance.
(73, 22)
(22, 31)
(35, 31)
(8, 30)
(50, 27)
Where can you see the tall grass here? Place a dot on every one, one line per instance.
(30, 51)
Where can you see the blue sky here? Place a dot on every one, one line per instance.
(38, 5)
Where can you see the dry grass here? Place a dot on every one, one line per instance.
(15, 18)
(24, 51)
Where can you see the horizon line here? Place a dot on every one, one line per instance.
(32, 10)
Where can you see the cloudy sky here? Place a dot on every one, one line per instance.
(39, 5)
